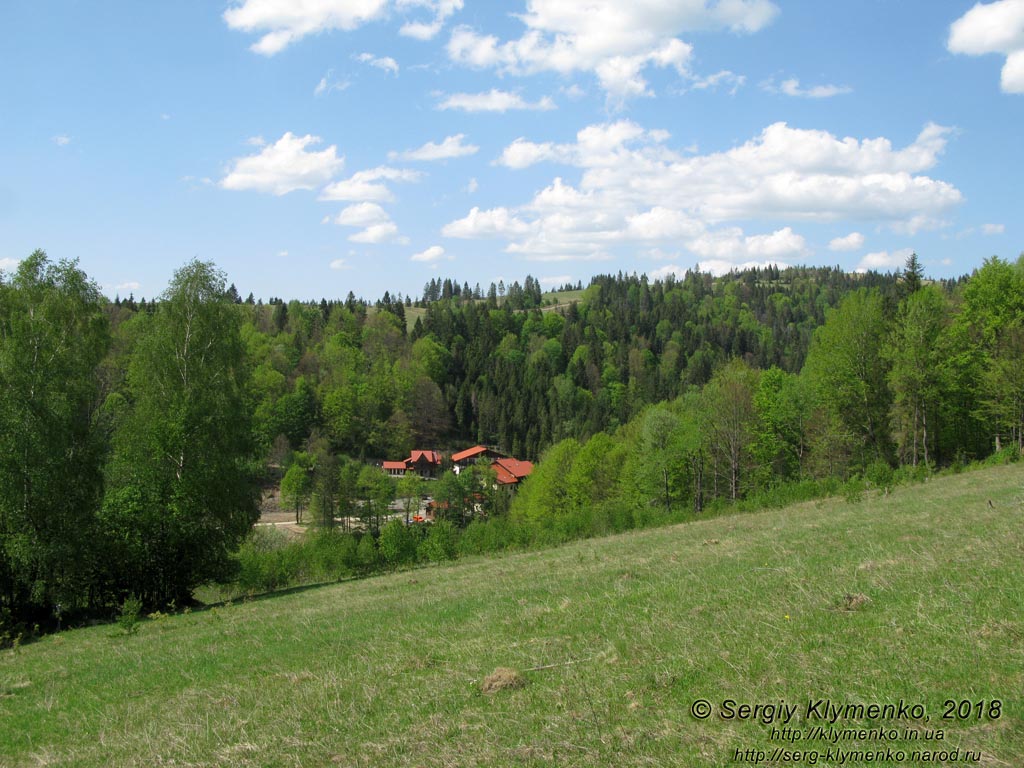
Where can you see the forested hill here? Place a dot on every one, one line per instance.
(508, 368)
(525, 380)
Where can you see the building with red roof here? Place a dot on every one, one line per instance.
(424, 463)
(470, 455)
(510, 472)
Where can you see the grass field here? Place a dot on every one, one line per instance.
(916, 596)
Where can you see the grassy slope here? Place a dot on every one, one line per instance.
(387, 671)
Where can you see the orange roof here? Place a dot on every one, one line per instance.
(431, 457)
(394, 465)
(511, 471)
(469, 453)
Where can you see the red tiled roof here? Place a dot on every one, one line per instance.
(510, 471)
(469, 453)
(394, 465)
(431, 457)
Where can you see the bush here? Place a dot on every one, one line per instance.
(397, 546)
(442, 543)
(128, 618)
(366, 554)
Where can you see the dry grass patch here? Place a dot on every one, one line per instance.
(501, 679)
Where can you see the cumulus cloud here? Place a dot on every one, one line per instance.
(8, 264)
(361, 215)
(385, 63)
(284, 166)
(615, 41)
(420, 30)
(431, 254)
(368, 185)
(791, 87)
(493, 100)
(495, 222)
(851, 242)
(993, 229)
(452, 146)
(993, 28)
(339, 264)
(634, 189)
(284, 22)
(884, 260)
(62, 141)
(384, 232)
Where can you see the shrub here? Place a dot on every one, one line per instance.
(128, 618)
(442, 543)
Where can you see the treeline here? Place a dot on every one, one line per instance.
(892, 387)
(127, 461)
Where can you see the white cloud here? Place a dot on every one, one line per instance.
(730, 245)
(328, 83)
(993, 229)
(131, 286)
(616, 41)
(433, 253)
(339, 264)
(791, 87)
(472, 186)
(284, 166)
(452, 146)
(62, 141)
(493, 101)
(385, 232)
(495, 222)
(368, 185)
(282, 254)
(993, 28)
(8, 264)
(362, 215)
(884, 260)
(287, 21)
(851, 242)
(634, 189)
(385, 63)
(428, 30)
(711, 82)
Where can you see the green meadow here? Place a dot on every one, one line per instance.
(592, 654)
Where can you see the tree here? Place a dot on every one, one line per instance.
(396, 545)
(296, 487)
(181, 493)
(53, 336)
(410, 488)
(728, 401)
(915, 372)
(847, 373)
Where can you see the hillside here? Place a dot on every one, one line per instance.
(914, 596)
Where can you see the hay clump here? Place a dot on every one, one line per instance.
(501, 679)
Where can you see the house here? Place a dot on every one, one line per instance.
(469, 456)
(510, 472)
(395, 468)
(426, 464)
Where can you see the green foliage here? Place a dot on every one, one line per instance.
(367, 556)
(129, 616)
(296, 487)
(397, 545)
(441, 543)
(180, 492)
(53, 336)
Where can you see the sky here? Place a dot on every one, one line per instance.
(315, 147)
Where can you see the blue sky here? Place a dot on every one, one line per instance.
(317, 147)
